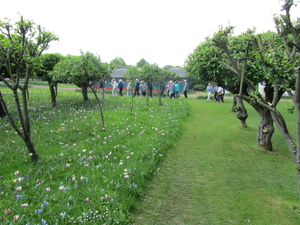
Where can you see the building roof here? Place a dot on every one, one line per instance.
(118, 73)
(179, 71)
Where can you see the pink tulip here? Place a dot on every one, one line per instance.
(16, 217)
(7, 211)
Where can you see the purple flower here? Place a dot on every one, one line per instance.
(38, 211)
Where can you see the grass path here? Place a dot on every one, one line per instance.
(206, 178)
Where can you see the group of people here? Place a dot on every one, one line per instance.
(173, 89)
(141, 88)
(117, 86)
(217, 91)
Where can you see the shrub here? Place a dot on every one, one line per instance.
(199, 87)
(204, 96)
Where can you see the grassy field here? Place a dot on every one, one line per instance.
(84, 175)
(216, 174)
(212, 171)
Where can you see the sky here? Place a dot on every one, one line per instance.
(164, 32)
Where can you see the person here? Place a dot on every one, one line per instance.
(177, 89)
(143, 88)
(137, 88)
(216, 92)
(114, 86)
(150, 88)
(168, 88)
(120, 86)
(172, 89)
(220, 95)
(129, 88)
(209, 90)
(185, 87)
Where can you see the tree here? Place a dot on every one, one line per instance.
(20, 46)
(265, 106)
(204, 64)
(132, 73)
(241, 68)
(141, 63)
(289, 31)
(48, 61)
(147, 74)
(95, 70)
(81, 70)
(117, 62)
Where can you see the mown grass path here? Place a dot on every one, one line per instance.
(216, 175)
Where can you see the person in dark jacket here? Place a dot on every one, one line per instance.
(150, 88)
(120, 86)
(137, 88)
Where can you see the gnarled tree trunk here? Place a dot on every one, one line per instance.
(265, 129)
(241, 112)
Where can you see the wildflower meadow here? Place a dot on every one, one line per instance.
(85, 175)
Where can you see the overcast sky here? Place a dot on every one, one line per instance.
(160, 31)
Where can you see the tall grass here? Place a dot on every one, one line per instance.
(85, 175)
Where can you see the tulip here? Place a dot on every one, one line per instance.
(16, 217)
(7, 211)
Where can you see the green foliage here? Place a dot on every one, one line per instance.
(141, 63)
(81, 70)
(204, 96)
(117, 62)
(47, 63)
(199, 87)
(290, 108)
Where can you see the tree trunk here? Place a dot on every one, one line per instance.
(30, 146)
(159, 98)
(241, 112)
(84, 93)
(296, 100)
(53, 94)
(233, 104)
(100, 108)
(131, 108)
(281, 125)
(265, 129)
(2, 112)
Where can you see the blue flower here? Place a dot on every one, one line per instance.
(44, 222)
(46, 203)
(38, 211)
(19, 197)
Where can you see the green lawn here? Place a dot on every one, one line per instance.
(216, 174)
